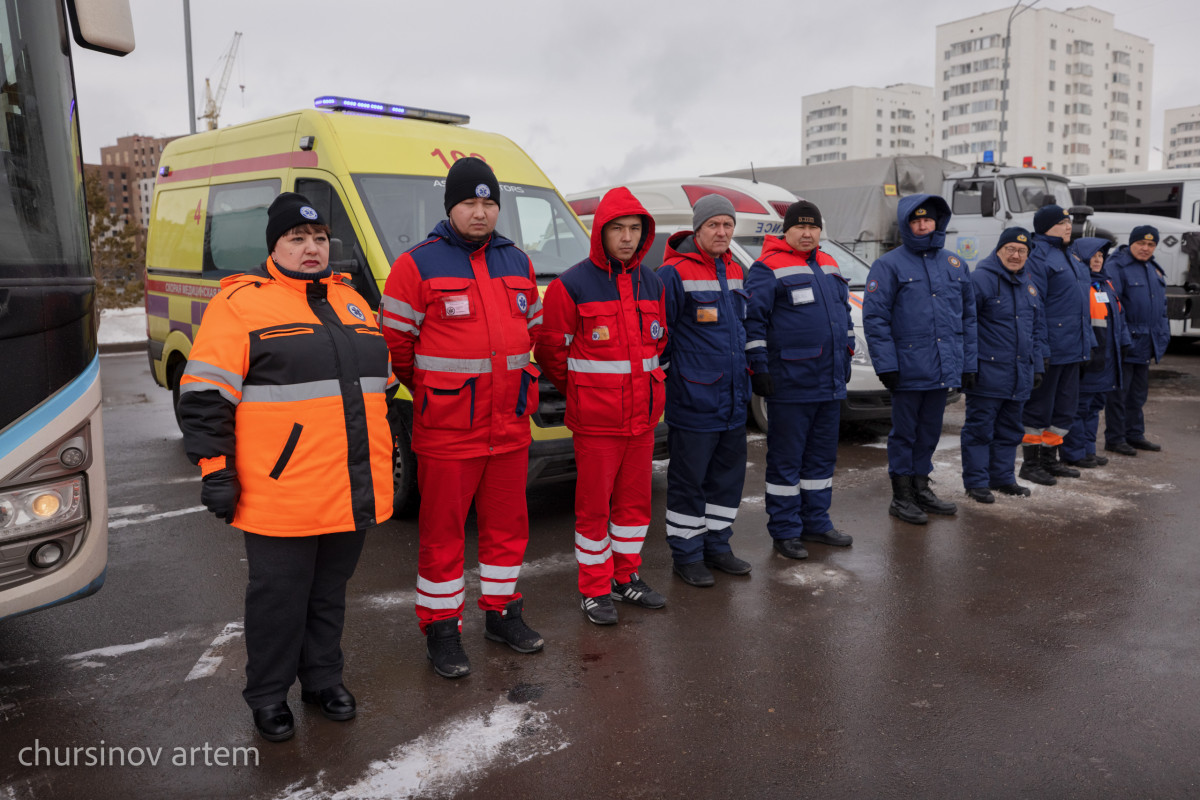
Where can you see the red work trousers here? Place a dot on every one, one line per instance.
(497, 485)
(612, 507)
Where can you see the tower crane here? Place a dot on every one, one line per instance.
(212, 103)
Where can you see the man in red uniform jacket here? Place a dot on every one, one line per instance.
(599, 343)
(457, 313)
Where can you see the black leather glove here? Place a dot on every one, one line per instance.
(969, 380)
(220, 492)
(1037, 380)
(762, 384)
(890, 380)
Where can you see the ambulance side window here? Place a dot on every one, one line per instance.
(236, 219)
(352, 260)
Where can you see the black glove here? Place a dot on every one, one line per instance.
(890, 380)
(1037, 380)
(762, 384)
(220, 492)
(968, 380)
(1126, 352)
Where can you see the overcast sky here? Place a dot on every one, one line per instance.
(596, 93)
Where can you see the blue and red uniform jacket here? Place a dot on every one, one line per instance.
(1142, 288)
(708, 380)
(1062, 280)
(603, 331)
(798, 325)
(1012, 331)
(919, 309)
(458, 316)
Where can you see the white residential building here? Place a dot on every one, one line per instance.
(861, 122)
(1181, 138)
(1078, 91)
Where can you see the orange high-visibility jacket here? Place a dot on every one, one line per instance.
(288, 383)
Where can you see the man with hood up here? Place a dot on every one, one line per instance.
(603, 332)
(1062, 281)
(708, 388)
(1012, 348)
(457, 313)
(1142, 289)
(800, 344)
(1102, 372)
(919, 318)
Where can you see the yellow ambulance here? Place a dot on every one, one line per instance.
(376, 173)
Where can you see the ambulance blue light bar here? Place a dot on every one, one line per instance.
(336, 103)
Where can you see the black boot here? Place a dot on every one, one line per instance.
(1031, 467)
(927, 500)
(508, 627)
(904, 505)
(1053, 466)
(444, 647)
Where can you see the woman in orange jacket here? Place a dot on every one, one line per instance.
(284, 407)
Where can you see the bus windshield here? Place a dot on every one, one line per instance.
(535, 218)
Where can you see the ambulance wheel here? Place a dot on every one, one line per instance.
(174, 376)
(758, 409)
(405, 498)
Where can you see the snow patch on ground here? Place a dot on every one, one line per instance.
(814, 577)
(122, 325)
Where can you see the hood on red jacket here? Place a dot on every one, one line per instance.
(619, 202)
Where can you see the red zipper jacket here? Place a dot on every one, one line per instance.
(603, 329)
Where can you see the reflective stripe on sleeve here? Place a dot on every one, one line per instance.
(388, 322)
(756, 343)
(211, 372)
(518, 361)
(203, 386)
(401, 309)
(533, 323)
(650, 364)
(590, 365)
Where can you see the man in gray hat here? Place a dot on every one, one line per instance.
(708, 387)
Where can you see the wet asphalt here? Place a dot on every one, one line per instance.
(1042, 647)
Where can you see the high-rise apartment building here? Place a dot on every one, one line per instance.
(1181, 138)
(1078, 91)
(861, 122)
(132, 164)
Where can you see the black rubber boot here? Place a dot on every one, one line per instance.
(1031, 467)
(508, 627)
(445, 650)
(904, 505)
(1053, 466)
(927, 500)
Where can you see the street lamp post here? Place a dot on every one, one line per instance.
(1016, 11)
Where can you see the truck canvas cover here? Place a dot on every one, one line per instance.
(858, 198)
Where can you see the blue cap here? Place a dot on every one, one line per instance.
(1014, 235)
(1049, 216)
(1144, 233)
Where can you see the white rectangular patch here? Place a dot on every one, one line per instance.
(1101, 297)
(458, 305)
(802, 296)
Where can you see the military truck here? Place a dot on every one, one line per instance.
(858, 202)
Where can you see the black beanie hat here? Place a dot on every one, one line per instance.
(922, 212)
(470, 177)
(1047, 217)
(1144, 233)
(802, 212)
(1014, 235)
(289, 210)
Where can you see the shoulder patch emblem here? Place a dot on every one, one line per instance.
(1033, 290)
(356, 311)
(872, 285)
(522, 302)
(954, 262)
(655, 330)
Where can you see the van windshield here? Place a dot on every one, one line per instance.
(404, 210)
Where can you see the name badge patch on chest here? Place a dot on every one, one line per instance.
(458, 305)
(1101, 297)
(600, 333)
(802, 296)
(706, 314)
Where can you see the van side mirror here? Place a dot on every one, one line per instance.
(987, 199)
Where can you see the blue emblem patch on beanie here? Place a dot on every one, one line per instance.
(483, 191)
(308, 212)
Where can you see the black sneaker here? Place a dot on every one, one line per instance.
(694, 574)
(637, 592)
(728, 563)
(443, 646)
(600, 610)
(792, 548)
(832, 537)
(507, 626)
(980, 495)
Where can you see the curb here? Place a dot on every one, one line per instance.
(107, 348)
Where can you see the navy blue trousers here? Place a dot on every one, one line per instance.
(802, 440)
(989, 441)
(1123, 417)
(704, 488)
(1080, 440)
(1051, 407)
(916, 428)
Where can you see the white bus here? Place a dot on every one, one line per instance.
(1173, 193)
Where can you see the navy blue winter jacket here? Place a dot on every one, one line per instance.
(1062, 280)
(1142, 288)
(1012, 331)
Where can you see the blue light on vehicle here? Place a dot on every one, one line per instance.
(338, 103)
(989, 156)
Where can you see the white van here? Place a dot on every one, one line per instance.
(760, 208)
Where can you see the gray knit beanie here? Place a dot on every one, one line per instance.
(709, 206)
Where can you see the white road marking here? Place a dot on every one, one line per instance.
(447, 759)
(128, 511)
(208, 663)
(121, 523)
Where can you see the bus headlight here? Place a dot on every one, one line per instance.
(39, 509)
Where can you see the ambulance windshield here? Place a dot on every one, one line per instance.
(404, 210)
